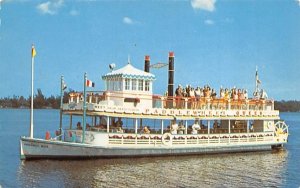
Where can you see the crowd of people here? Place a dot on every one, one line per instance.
(206, 93)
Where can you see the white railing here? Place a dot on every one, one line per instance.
(200, 139)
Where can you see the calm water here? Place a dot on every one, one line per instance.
(271, 169)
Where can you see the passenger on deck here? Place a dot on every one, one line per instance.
(242, 94)
(197, 95)
(181, 128)
(119, 130)
(263, 94)
(222, 93)
(213, 94)
(191, 94)
(227, 94)
(88, 127)
(234, 94)
(196, 127)
(179, 94)
(245, 94)
(216, 124)
(174, 127)
(103, 121)
(146, 130)
(119, 123)
(79, 126)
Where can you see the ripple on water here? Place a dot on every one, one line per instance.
(226, 170)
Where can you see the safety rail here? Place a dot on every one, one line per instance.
(147, 140)
(166, 102)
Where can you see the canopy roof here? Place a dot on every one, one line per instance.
(129, 71)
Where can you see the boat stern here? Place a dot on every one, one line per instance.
(22, 156)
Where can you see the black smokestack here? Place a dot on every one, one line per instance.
(171, 75)
(147, 63)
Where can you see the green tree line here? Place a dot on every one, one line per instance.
(287, 106)
(40, 101)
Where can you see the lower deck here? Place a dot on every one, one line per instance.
(169, 140)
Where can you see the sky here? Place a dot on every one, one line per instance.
(215, 42)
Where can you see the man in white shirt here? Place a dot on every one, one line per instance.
(174, 127)
(196, 127)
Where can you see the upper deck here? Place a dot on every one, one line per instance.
(128, 93)
(166, 107)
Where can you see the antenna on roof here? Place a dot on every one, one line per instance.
(128, 59)
(112, 66)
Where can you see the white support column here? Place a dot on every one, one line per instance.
(71, 121)
(229, 129)
(107, 124)
(248, 123)
(162, 126)
(90, 98)
(208, 129)
(136, 125)
(185, 103)
(186, 126)
(208, 126)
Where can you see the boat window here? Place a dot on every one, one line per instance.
(127, 84)
(113, 86)
(119, 84)
(147, 85)
(134, 84)
(141, 85)
(107, 84)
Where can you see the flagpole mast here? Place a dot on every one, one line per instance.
(84, 108)
(256, 78)
(61, 105)
(32, 77)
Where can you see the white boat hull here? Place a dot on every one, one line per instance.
(32, 148)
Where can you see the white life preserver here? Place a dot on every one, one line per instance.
(164, 139)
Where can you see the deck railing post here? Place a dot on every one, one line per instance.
(162, 126)
(136, 125)
(71, 121)
(248, 123)
(107, 124)
(229, 129)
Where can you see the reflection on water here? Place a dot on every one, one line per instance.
(239, 170)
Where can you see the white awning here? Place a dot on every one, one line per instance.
(129, 71)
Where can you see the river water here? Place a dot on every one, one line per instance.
(260, 169)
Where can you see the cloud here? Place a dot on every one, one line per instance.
(209, 22)
(74, 12)
(208, 5)
(228, 20)
(127, 20)
(50, 7)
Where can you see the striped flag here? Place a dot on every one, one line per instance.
(256, 77)
(89, 83)
(64, 86)
(33, 52)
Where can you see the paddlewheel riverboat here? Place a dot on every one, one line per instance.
(127, 119)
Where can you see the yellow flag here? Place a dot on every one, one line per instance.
(33, 52)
